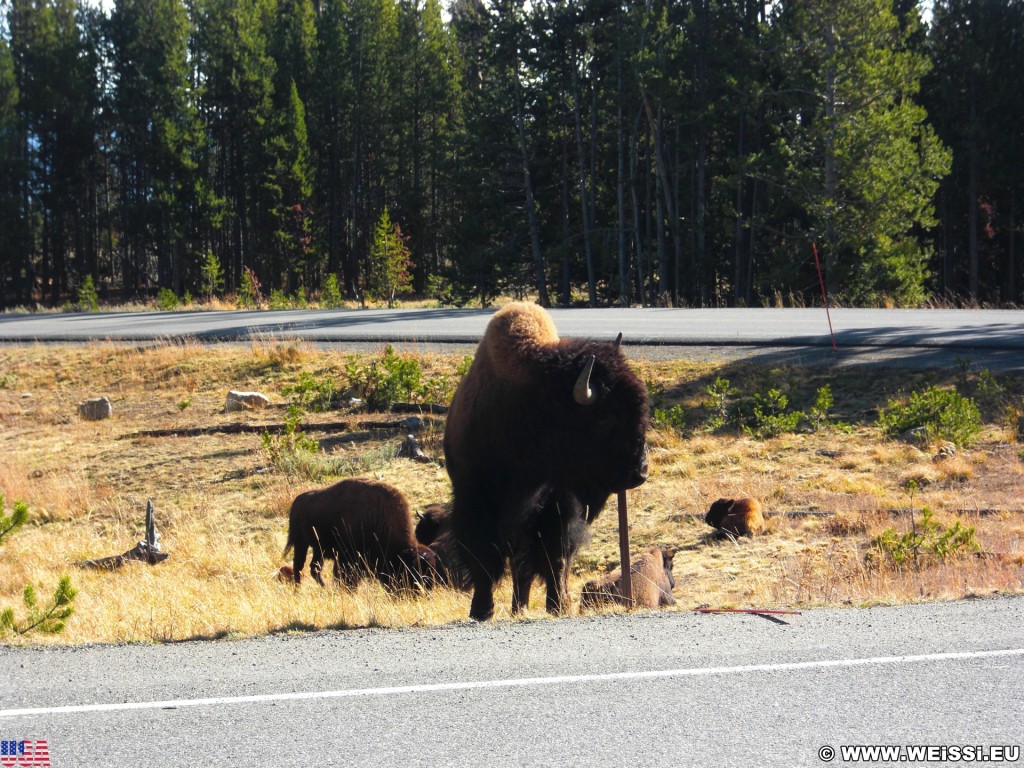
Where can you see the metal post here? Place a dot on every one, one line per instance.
(627, 579)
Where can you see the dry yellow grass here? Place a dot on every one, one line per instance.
(221, 505)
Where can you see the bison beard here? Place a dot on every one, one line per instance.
(365, 527)
(540, 433)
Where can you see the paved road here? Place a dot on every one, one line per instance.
(992, 338)
(677, 689)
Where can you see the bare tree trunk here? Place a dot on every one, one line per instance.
(737, 287)
(972, 205)
(588, 250)
(1011, 257)
(624, 276)
(531, 205)
(830, 159)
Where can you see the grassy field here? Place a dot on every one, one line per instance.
(832, 487)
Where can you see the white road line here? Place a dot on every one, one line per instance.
(512, 683)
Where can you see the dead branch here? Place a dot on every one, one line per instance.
(146, 551)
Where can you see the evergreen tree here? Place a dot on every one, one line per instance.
(158, 144)
(55, 73)
(860, 159)
(236, 75)
(388, 271)
(287, 191)
(329, 134)
(15, 233)
(976, 94)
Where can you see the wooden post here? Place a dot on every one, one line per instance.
(627, 579)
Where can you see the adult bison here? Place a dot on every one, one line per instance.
(540, 432)
(363, 525)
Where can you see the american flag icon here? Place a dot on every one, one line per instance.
(24, 754)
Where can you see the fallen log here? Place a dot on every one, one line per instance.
(146, 551)
(237, 428)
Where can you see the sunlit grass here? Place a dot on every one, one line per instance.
(221, 505)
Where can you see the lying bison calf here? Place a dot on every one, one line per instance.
(365, 527)
(650, 577)
(739, 517)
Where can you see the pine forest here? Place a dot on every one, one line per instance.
(659, 153)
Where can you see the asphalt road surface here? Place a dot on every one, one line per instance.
(668, 689)
(993, 339)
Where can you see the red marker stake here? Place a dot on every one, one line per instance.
(824, 296)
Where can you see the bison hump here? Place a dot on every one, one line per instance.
(514, 334)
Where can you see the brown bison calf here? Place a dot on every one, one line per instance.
(739, 517)
(365, 527)
(431, 523)
(651, 579)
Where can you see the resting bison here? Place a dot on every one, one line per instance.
(650, 577)
(739, 517)
(540, 432)
(364, 526)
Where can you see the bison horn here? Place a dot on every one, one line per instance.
(618, 340)
(582, 393)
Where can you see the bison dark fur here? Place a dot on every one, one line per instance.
(431, 522)
(545, 547)
(650, 578)
(538, 418)
(530, 557)
(364, 526)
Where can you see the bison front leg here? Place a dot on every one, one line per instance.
(484, 571)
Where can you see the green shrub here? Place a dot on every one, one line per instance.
(720, 392)
(943, 413)
(441, 389)
(925, 543)
(12, 522)
(278, 299)
(383, 382)
(166, 299)
(330, 294)
(292, 450)
(88, 298)
(212, 275)
(770, 417)
(671, 418)
(49, 618)
(249, 295)
(310, 394)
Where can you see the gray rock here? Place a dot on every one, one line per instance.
(242, 401)
(95, 408)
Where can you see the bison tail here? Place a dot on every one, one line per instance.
(288, 545)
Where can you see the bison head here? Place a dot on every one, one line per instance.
(595, 412)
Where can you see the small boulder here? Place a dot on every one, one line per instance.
(244, 401)
(95, 408)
